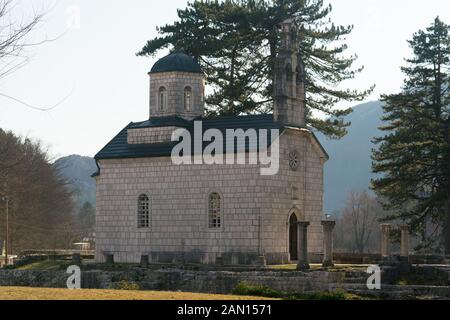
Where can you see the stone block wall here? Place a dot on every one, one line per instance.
(221, 282)
(175, 83)
(179, 211)
(150, 135)
(176, 280)
(300, 191)
(255, 209)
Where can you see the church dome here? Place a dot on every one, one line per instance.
(176, 61)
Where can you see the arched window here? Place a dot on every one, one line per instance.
(143, 211)
(162, 99)
(215, 211)
(187, 98)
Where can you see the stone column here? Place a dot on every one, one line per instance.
(385, 240)
(261, 261)
(76, 258)
(404, 247)
(302, 245)
(109, 257)
(328, 226)
(219, 261)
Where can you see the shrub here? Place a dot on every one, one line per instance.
(125, 285)
(246, 289)
(334, 295)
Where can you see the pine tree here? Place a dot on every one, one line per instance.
(236, 42)
(413, 157)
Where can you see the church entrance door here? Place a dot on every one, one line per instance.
(293, 237)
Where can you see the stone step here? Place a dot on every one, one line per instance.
(356, 275)
(361, 280)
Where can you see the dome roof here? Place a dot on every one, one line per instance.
(176, 61)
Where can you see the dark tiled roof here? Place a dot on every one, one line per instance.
(118, 147)
(176, 61)
(163, 122)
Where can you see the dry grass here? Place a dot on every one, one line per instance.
(46, 265)
(22, 293)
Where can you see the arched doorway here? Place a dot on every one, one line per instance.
(293, 236)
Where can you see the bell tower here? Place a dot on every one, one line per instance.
(289, 80)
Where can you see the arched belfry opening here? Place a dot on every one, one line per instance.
(288, 72)
(293, 236)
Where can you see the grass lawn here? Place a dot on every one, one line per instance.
(46, 265)
(22, 293)
(53, 265)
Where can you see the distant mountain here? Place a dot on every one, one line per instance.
(349, 167)
(78, 170)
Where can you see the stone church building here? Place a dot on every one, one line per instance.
(219, 213)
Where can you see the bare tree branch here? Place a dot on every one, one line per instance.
(35, 107)
(358, 222)
(14, 40)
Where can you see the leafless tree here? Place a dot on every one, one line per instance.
(358, 227)
(15, 39)
(41, 206)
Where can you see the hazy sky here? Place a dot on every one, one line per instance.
(94, 63)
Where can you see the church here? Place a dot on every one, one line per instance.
(149, 206)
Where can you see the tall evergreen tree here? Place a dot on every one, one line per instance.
(413, 157)
(236, 42)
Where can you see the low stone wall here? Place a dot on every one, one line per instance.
(356, 258)
(374, 258)
(38, 279)
(222, 281)
(427, 259)
(174, 280)
(398, 292)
